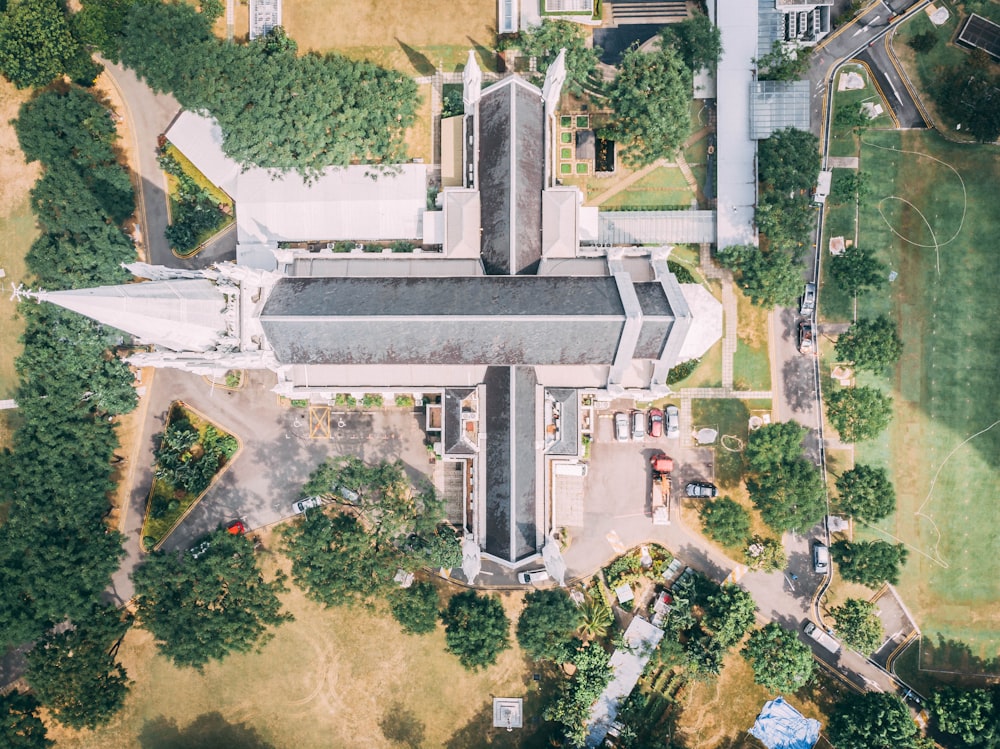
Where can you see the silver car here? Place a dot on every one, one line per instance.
(673, 415)
(306, 504)
(621, 426)
(808, 303)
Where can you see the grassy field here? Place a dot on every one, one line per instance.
(413, 37)
(324, 680)
(664, 187)
(843, 141)
(752, 361)
(933, 216)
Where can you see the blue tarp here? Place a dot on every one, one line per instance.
(781, 726)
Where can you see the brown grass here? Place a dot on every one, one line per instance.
(329, 679)
(418, 137)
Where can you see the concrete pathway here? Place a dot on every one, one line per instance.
(842, 162)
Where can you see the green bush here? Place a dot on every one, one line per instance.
(402, 246)
(372, 400)
(344, 246)
(343, 399)
(681, 272)
(404, 401)
(682, 371)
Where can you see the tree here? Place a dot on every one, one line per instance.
(74, 673)
(859, 626)
(783, 63)
(866, 493)
(416, 608)
(768, 277)
(726, 521)
(439, 548)
(546, 625)
(37, 45)
(850, 186)
(595, 615)
(101, 23)
(923, 42)
(729, 614)
(785, 219)
(336, 561)
(772, 444)
(969, 93)
(697, 40)
(571, 705)
(765, 554)
(20, 726)
(205, 608)
(789, 160)
(966, 714)
(650, 98)
(780, 662)
(851, 117)
(870, 344)
(476, 629)
(870, 563)
(873, 720)
(545, 41)
(789, 495)
(857, 270)
(858, 413)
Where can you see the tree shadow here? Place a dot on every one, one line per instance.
(402, 726)
(417, 59)
(955, 658)
(208, 731)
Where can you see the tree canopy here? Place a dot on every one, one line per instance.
(544, 42)
(780, 662)
(870, 344)
(789, 495)
(968, 715)
(866, 492)
(729, 614)
(651, 98)
(783, 63)
(789, 160)
(857, 270)
(203, 609)
(697, 40)
(786, 220)
(858, 413)
(37, 45)
(774, 443)
(858, 625)
(969, 94)
(546, 625)
(765, 554)
(873, 720)
(726, 521)
(870, 563)
(74, 673)
(768, 277)
(476, 629)
(319, 111)
(416, 608)
(571, 704)
(20, 726)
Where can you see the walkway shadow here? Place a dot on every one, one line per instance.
(208, 731)
(417, 59)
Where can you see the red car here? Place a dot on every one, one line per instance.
(236, 528)
(655, 418)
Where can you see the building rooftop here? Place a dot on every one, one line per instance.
(776, 105)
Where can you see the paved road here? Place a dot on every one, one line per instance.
(149, 115)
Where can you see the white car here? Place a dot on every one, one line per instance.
(673, 422)
(621, 427)
(306, 504)
(532, 577)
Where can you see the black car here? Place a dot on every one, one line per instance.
(701, 489)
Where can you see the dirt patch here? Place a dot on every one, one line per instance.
(18, 176)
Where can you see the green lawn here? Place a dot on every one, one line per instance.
(731, 418)
(708, 374)
(945, 388)
(17, 232)
(843, 142)
(664, 187)
(752, 361)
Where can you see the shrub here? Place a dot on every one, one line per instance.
(371, 401)
(682, 371)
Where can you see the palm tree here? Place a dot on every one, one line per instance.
(595, 615)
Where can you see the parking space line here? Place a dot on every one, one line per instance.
(319, 422)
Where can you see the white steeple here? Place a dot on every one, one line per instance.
(472, 83)
(180, 314)
(555, 76)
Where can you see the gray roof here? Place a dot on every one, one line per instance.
(511, 490)
(569, 421)
(655, 227)
(776, 105)
(493, 320)
(511, 176)
(455, 442)
(771, 26)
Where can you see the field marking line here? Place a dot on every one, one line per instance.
(936, 245)
(930, 492)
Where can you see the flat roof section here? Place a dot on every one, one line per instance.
(624, 228)
(737, 152)
(981, 33)
(776, 105)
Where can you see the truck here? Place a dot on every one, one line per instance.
(662, 466)
(825, 640)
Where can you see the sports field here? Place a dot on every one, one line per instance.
(933, 216)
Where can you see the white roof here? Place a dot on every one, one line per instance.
(559, 221)
(619, 228)
(461, 222)
(342, 203)
(737, 177)
(706, 321)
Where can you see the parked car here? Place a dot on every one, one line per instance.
(621, 426)
(349, 494)
(701, 489)
(821, 558)
(306, 504)
(638, 425)
(236, 528)
(532, 577)
(673, 422)
(807, 304)
(807, 337)
(655, 425)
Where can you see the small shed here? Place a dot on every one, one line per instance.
(586, 145)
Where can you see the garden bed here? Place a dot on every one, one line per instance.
(191, 453)
(198, 209)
